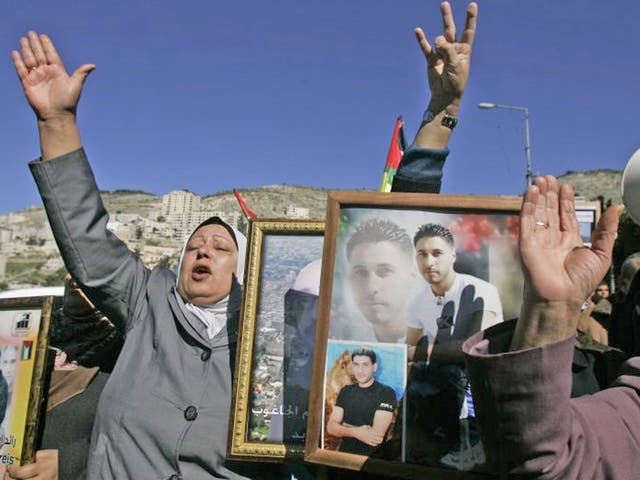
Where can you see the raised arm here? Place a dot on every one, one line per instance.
(560, 272)
(51, 92)
(109, 273)
(448, 67)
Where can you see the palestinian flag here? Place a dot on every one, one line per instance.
(397, 147)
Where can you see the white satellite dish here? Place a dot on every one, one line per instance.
(631, 186)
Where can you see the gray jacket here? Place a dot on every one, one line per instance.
(164, 412)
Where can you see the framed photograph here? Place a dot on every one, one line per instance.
(278, 324)
(24, 330)
(422, 272)
(364, 385)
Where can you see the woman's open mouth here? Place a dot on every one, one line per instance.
(200, 271)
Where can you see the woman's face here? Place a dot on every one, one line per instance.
(209, 262)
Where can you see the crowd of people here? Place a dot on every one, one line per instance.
(166, 341)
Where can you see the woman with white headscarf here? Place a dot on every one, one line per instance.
(165, 409)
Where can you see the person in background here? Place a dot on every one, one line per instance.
(628, 270)
(600, 308)
(602, 292)
(624, 331)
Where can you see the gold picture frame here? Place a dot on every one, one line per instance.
(341, 317)
(263, 414)
(24, 340)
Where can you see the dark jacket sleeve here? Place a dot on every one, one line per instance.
(530, 426)
(111, 275)
(420, 170)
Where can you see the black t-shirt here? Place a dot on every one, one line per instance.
(360, 406)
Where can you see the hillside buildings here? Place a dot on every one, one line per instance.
(152, 227)
(185, 210)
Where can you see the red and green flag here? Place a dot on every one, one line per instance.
(397, 147)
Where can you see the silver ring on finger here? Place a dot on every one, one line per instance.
(540, 223)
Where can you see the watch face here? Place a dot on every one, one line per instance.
(449, 122)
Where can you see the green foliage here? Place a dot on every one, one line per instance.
(22, 268)
(53, 279)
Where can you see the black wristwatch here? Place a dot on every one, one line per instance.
(448, 121)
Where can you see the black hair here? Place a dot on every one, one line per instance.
(429, 230)
(377, 230)
(364, 352)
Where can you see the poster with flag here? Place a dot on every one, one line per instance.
(24, 327)
(396, 149)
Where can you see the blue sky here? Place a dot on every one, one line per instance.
(210, 95)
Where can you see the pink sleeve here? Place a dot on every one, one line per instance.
(531, 427)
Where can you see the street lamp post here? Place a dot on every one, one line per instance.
(527, 142)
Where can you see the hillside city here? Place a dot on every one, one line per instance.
(153, 227)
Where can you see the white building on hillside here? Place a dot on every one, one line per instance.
(293, 211)
(179, 202)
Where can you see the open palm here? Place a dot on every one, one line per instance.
(48, 88)
(556, 264)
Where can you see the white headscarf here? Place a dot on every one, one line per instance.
(214, 316)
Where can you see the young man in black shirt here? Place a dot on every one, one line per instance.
(364, 410)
